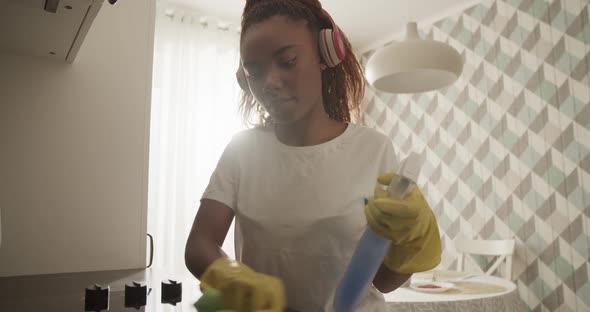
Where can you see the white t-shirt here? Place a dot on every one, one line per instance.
(299, 210)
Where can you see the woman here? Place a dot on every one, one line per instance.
(296, 183)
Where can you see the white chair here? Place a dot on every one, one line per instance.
(503, 249)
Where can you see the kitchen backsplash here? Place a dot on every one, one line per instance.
(507, 146)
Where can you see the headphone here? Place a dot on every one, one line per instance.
(332, 45)
(332, 50)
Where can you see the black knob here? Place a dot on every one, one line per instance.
(135, 295)
(171, 292)
(97, 298)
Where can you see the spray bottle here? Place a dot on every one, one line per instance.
(372, 247)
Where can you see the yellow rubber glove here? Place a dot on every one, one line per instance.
(411, 226)
(243, 289)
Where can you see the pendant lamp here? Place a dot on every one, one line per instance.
(414, 65)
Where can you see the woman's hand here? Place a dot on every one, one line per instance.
(242, 288)
(411, 226)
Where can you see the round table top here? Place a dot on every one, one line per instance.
(406, 294)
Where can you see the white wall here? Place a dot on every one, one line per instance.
(74, 150)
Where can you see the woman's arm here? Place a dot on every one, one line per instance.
(387, 281)
(207, 235)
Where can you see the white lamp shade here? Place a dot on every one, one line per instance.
(414, 65)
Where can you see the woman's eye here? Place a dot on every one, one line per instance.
(290, 62)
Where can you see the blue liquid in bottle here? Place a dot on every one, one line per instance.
(365, 262)
(372, 247)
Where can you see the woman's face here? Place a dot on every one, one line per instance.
(282, 65)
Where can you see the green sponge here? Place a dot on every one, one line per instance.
(211, 301)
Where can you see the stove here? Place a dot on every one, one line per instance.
(149, 290)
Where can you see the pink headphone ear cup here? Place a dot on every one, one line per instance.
(242, 81)
(331, 47)
(339, 45)
(323, 48)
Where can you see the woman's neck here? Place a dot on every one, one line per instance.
(315, 129)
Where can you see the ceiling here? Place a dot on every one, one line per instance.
(366, 22)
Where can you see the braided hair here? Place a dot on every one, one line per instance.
(343, 86)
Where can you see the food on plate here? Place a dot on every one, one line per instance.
(428, 286)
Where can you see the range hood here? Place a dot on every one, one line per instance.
(53, 29)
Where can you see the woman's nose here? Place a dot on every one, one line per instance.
(272, 81)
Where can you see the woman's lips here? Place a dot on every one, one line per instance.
(280, 103)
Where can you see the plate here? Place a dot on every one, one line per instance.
(441, 275)
(432, 287)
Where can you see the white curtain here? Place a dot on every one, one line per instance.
(194, 115)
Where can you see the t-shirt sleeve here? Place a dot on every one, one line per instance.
(223, 184)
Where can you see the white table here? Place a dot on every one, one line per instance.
(407, 299)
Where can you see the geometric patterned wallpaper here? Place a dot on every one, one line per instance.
(507, 146)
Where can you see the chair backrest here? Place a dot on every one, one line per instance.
(503, 249)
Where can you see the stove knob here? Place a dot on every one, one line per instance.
(171, 292)
(135, 295)
(97, 298)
